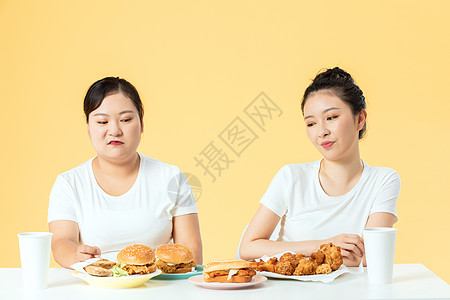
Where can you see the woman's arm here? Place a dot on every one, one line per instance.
(65, 244)
(186, 231)
(255, 242)
(379, 219)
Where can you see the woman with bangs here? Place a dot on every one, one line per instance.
(119, 197)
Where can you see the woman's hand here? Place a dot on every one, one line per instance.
(85, 252)
(352, 260)
(65, 244)
(352, 248)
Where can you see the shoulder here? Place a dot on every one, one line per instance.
(79, 172)
(72, 181)
(299, 171)
(154, 165)
(382, 174)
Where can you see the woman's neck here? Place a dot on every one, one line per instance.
(338, 177)
(342, 170)
(117, 168)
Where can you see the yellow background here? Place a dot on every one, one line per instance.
(197, 64)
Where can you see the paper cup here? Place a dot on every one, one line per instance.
(35, 250)
(379, 244)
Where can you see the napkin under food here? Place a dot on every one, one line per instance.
(111, 256)
(320, 277)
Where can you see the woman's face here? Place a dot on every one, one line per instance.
(331, 125)
(115, 128)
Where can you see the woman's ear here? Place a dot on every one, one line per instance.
(142, 126)
(362, 117)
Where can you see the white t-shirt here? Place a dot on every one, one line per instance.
(308, 213)
(142, 215)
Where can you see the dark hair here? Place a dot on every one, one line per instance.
(110, 86)
(344, 87)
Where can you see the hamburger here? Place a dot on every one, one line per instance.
(137, 259)
(230, 271)
(173, 258)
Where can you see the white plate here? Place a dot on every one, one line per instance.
(116, 282)
(319, 277)
(198, 280)
(110, 282)
(110, 255)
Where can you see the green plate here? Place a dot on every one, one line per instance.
(198, 271)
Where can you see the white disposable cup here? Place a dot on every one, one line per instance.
(379, 243)
(35, 258)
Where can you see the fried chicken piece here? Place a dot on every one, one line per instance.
(268, 266)
(323, 269)
(333, 255)
(241, 272)
(218, 273)
(286, 257)
(305, 267)
(104, 263)
(139, 269)
(317, 257)
(165, 268)
(284, 267)
(97, 271)
(292, 258)
(246, 272)
(255, 264)
(297, 259)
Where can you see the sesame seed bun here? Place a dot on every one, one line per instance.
(136, 255)
(174, 254)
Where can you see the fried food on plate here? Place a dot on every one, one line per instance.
(104, 263)
(291, 258)
(317, 257)
(286, 257)
(174, 258)
(297, 259)
(323, 269)
(255, 264)
(284, 267)
(268, 266)
(325, 260)
(139, 269)
(333, 255)
(305, 267)
(97, 271)
(177, 268)
(230, 271)
(100, 268)
(137, 259)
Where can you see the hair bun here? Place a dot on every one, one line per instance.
(335, 75)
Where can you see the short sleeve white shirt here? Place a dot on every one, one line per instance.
(308, 213)
(142, 215)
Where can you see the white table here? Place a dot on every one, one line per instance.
(411, 281)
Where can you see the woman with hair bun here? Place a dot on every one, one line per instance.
(332, 199)
(119, 197)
